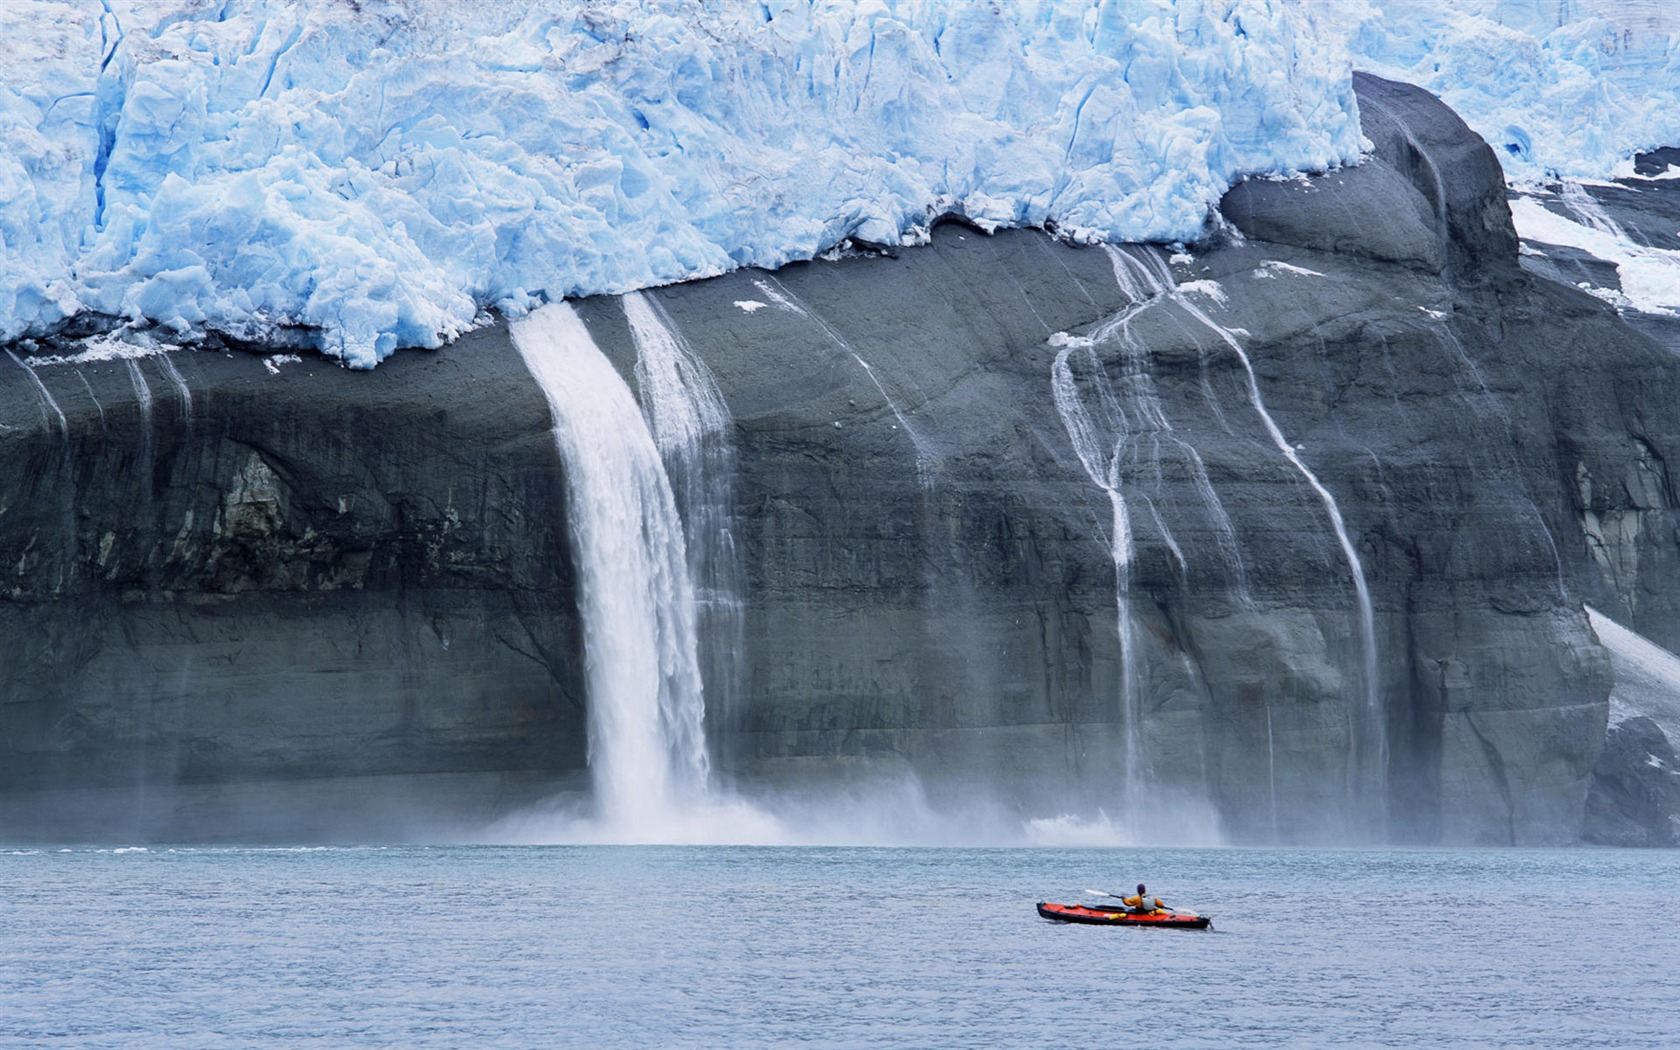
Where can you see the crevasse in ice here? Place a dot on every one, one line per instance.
(376, 175)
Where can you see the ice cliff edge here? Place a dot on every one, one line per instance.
(358, 177)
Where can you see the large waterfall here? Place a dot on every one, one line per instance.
(647, 751)
(686, 413)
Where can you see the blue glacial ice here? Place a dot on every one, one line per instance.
(1569, 88)
(358, 177)
(363, 178)
(1561, 89)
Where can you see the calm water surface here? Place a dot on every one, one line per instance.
(608, 947)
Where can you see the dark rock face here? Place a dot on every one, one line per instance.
(1624, 486)
(1635, 799)
(324, 584)
(1449, 165)
(235, 584)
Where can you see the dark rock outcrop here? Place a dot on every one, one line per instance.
(227, 586)
(316, 583)
(1635, 799)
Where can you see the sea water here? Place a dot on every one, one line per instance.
(615, 946)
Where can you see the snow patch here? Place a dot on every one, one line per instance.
(114, 346)
(1647, 676)
(749, 305)
(1650, 277)
(1276, 266)
(1209, 289)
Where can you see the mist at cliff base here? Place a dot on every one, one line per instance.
(877, 804)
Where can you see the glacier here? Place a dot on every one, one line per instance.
(359, 177)
(1559, 88)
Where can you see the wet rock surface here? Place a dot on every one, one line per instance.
(330, 580)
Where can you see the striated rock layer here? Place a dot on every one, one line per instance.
(246, 602)
(310, 602)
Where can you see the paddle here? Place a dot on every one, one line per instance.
(1164, 909)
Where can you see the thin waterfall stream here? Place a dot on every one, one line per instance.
(927, 460)
(1111, 422)
(1107, 421)
(1368, 758)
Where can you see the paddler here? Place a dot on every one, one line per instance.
(1143, 903)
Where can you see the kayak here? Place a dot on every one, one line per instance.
(1108, 916)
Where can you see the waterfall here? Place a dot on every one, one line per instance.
(1368, 757)
(1113, 422)
(1492, 406)
(690, 425)
(1147, 282)
(926, 458)
(1134, 417)
(1101, 455)
(647, 750)
(142, 392)
(47, 402)
(1592, 214)
(180, 386)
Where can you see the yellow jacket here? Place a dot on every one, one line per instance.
(1134, 901)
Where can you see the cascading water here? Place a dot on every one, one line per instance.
(1368, 757)
(1101, 458)
(1487, 405)
(180, 385)
(1104, 433)
(1148, 281)
(47, 402)
(1113, 423)
(1592, 214)
(647, 750)
(778, 293)
(690, 426)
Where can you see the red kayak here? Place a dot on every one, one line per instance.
(1107, 916)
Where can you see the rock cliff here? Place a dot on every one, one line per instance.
(1365, 469)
